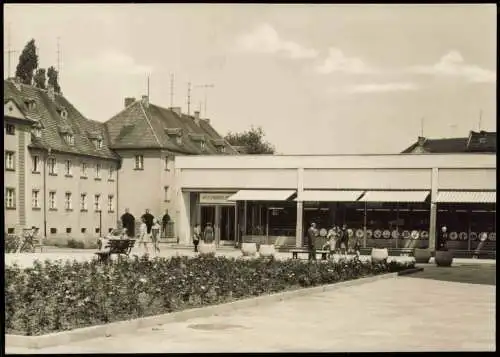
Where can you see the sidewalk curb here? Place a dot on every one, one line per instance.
(66, 337)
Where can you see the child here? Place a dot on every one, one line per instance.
(143, 235)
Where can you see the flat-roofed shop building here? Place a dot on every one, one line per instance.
(386, 200)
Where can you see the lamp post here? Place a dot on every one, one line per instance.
(100, 222)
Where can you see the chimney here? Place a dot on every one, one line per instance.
(207, 120)
(176, 110)
(145, 100)
(421, 141)
(51, 92)
(197, 117)
(129, 101)
(16, 81)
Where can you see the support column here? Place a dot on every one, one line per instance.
(183, 219)
(433, 210)
(299, 227)
(299, 234)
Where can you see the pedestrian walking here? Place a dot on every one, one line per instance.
(143, 235)
(312, 232)
(164, 223)
(155, 235)
(196, 237)
(128, 222)
(148, 219)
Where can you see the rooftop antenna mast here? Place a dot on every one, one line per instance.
(205, 87)
(422, 127)
(189, 98)
(58, 59)
(9, 51)
(480, 118)
(148, 88)
(171, 90)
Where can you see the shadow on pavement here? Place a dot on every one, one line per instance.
(472, 274)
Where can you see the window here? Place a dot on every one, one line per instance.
(10, 129)
(84, 230)
(67, 167)
(222, 149)
(70, 139)
(97, 230)
(9, 160)
(35, 160)
(97, 202)
(202, 145)
(10, 198)
(97, 171)
(53, 230)
(178, 139)
(68, 230)
(83, 202)
(11, 230)
(110, 230)
(111, 174)
(52, 200)
(35, 198)
(68, 205)
(166, 194)
(84, 169)
(139, 162)
(110, 203)
(37, 131)
(98, 143)
(52, 166)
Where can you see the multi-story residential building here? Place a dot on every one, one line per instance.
(73, 177)
(476, 142)
(60, 174)
(147, 138)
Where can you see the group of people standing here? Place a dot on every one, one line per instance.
(337, 240)
(150, 228)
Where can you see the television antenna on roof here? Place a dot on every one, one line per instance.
(205, 87)
(9, 51)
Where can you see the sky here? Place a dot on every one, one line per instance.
(319, 79)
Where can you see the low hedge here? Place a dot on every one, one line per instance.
(57, 296)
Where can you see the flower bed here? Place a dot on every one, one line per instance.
(55, 296)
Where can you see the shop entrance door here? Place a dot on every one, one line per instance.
(207, 215)
(226, 224)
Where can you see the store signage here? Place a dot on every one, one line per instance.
(215, 198)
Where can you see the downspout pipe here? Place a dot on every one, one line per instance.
(49, 152)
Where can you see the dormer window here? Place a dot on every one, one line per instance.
(69, 138)
(202, 145)
(483, 140)
(98, 143)
(178, 140)
(221, 149)
(37, 131)
(30, 104)
(63, 113)
(175, 134)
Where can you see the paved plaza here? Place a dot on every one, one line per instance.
(401, 314)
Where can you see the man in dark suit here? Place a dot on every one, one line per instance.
(164, 222)
(311, 237)
(148, 218)
(128, 222)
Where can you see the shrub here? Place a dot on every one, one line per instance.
(56, 296)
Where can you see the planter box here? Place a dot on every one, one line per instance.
(443, 258)
(379, 255)
(267, 250)
(249, 249)
(422, 256)
(206, 248)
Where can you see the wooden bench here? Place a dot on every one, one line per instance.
(324, 253)
(116, 246)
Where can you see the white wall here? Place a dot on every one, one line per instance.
(467, 179)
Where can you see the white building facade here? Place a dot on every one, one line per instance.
(386, 200)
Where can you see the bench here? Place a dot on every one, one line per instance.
(324, 253)
(116, 246)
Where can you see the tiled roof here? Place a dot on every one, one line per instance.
(476, 142)
(46, 112)
(145, 126)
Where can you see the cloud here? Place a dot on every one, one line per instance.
(380, 87)
(337, 61)
(453, 65)
(266, 40)
(112, 62)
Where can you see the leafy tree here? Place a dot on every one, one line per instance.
(40, 78)
(252, 140)
(53, 81)
(28, 62)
